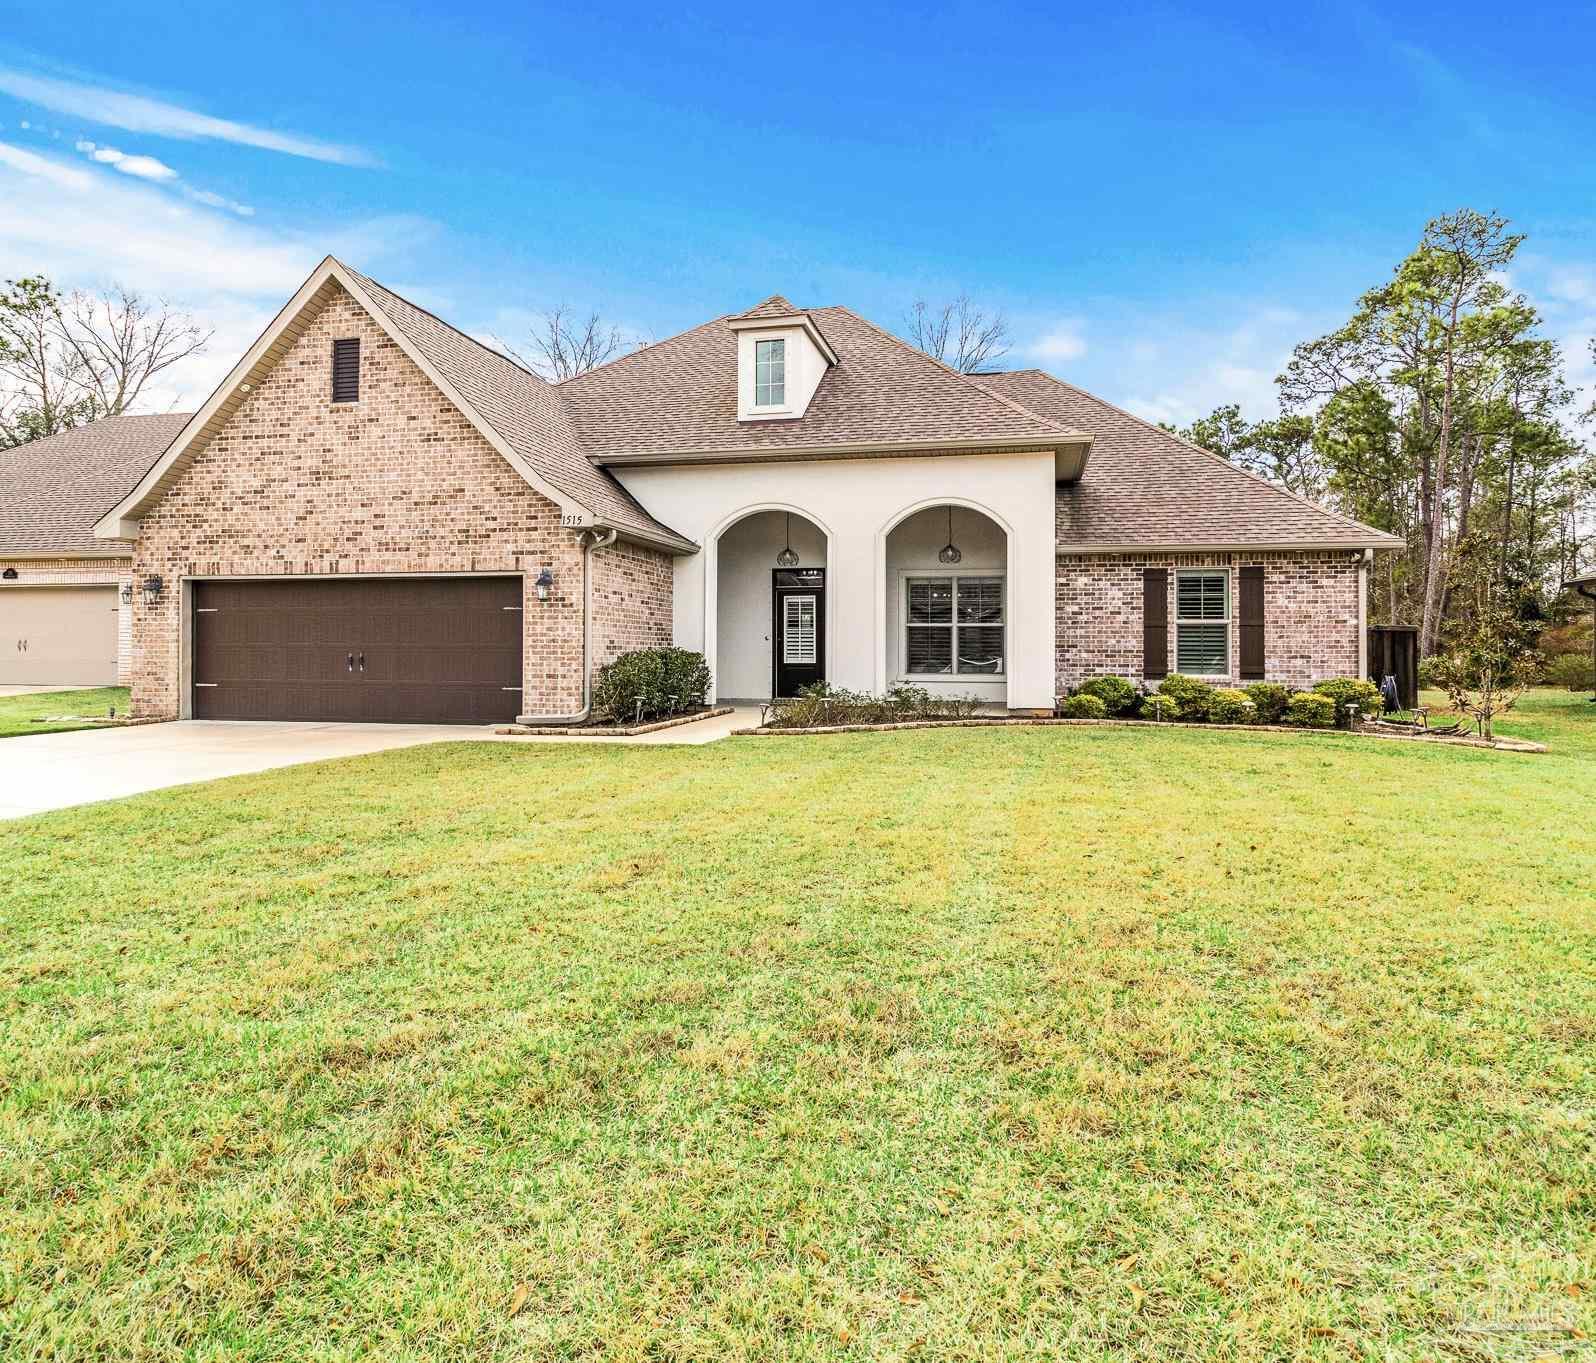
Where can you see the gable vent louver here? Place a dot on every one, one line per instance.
(346, 370)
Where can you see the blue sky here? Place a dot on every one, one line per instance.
(1162, 200)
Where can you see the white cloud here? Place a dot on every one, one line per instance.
(82, 226)
(1194, 371)
(1061, 342)
(142, 167)
(138, 114)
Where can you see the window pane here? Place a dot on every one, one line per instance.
(798, 630)
(929, 649)
(981, 600)
(1200, 596)
(1202, 650)
(930, 600)
(980, 648)
(770, 373)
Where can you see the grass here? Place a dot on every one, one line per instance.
(990, 1044)
(21, 714)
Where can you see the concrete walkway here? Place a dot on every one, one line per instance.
(40, 772)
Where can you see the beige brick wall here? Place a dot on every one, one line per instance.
(631, 600)
(1310, 613)
(399, 482)
(88, 572)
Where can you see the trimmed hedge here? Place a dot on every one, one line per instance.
(822, 704)
(1345, 691)
(1083, 706)
(666, 681)
(1230, 706)
(1117, 694)
(1270, 698)
(1311, 710)
(1193, 696)
(1160, 707)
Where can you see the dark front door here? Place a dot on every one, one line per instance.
(380, 650)
(799, 633)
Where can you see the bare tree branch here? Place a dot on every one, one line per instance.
(961, 334)
(562, 347)
(122, 341)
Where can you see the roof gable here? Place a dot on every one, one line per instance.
(515, 411)
(1148, 488)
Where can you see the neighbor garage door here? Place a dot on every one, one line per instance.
(389, 650)
(58, 636)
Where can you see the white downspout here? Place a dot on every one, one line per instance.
(1365, 564)
(601, 540)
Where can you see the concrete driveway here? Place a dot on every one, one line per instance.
(55, 771)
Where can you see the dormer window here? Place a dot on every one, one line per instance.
(770, 373)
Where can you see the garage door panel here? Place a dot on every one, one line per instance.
(426, 650)
(62, 636)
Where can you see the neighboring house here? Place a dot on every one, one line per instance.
(63, 593)
(376, 517)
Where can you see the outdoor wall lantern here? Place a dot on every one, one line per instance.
(949, 553)
(154, 585)
(543, 582)
(126, 594)
(10, 575)
(788, 557)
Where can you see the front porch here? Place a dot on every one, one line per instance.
(844, 576)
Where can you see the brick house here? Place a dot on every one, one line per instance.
(377, 517)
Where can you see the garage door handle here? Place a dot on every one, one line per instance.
(362, 662)
(349, 662)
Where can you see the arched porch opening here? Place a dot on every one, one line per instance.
(948, 608)
(771, 622)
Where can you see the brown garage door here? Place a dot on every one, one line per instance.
(385, 650)
(58, 636)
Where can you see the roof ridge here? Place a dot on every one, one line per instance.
(1052, 425)
(1209, 454)
(642, 350)
(444, 322)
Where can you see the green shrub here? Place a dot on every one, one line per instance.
(665, 680)
(1117, 694)
(1270, 698)
(1430, 673)
(1570, 670)
(1083, 706)
(1193, 696)
(1345, 691)
(822, 704)
(1159, 706)
(1230, 706)
(1310, 710)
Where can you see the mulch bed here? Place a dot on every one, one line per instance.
(1001, 721)
(609, 730)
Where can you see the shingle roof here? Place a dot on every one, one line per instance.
(527, 412)
(1144, 486)
(774, 306)
(53, 490)
(679, 397)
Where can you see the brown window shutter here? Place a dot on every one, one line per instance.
(346, 370)
(1250, 608)
(1155, 623)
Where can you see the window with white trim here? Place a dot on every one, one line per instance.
(953, 623)
(1202, 623)
(770, 373)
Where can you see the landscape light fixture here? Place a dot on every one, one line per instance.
(788, 557)
(949, 553)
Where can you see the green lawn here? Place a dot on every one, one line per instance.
(20, 714)
(982, 1044)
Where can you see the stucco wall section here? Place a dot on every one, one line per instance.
(399, 482)
(1310, 613)
(86, 572)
